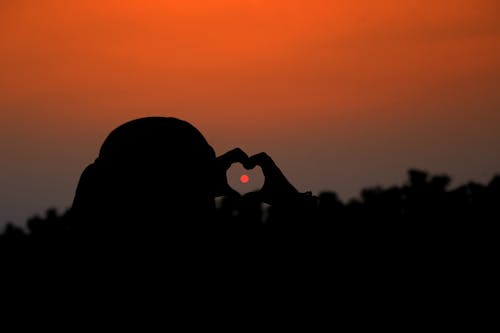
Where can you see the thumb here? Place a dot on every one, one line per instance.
(230, 192)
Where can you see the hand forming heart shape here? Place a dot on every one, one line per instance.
(276, 187)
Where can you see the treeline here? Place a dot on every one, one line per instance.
(424, 204)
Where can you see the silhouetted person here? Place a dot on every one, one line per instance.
(155, 175)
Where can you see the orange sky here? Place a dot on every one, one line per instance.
(343, 94)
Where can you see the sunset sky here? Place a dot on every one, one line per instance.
(342, 94)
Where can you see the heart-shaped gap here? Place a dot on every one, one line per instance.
(243, 180)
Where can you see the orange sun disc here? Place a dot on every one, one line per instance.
(244, 179)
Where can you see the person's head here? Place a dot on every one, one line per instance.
(150, 169)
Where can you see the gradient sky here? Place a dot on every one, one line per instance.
(342, 94)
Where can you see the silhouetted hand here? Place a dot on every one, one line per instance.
(276, 187)
(223, 163)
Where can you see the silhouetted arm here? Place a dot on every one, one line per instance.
(277, 191)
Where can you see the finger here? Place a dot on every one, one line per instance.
(254, 196)
(232, 156)
(232, 193)
(227, 191)
(263, 160)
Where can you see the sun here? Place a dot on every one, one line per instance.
(244, 179)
